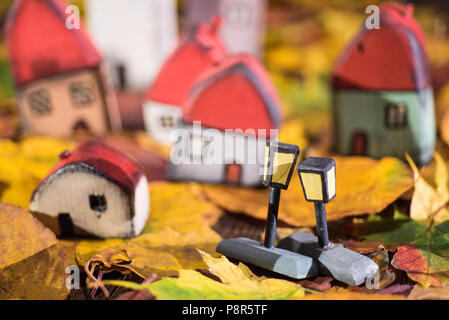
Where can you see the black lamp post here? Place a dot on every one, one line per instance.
(280, 160)
(318, 178)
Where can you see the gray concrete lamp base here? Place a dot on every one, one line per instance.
(343, 264)
(281, 261)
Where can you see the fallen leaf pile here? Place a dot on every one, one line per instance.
(392, 211)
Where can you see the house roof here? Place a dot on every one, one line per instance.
(40, 45)
(237, 94)
(200, 50)
(103, 160)
(391, 58)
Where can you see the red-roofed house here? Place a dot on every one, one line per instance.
(95, 190)
(56, 71)
(239, 110)
(383, 99)
(198, 52)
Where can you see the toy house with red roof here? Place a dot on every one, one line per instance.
(383, 98)
(94, 190)
(163, 108)
(57, 72)
(237, 107)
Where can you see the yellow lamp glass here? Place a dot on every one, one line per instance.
(267, 160)
(318, 179)
(282, 164)
(313, 186)
(280, 160)
(331, 185)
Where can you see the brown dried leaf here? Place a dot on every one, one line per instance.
(32, 261)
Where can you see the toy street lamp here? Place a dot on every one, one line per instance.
(318, 183)
(280, 160)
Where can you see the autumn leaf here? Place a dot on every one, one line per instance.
(420, 293)
(422, 252)
(237, 282)
(351, 295)
(32, 261)
(430, 200)
(24, 164)
(422, 266)
(163, 253)
(364, 186)
(180, 206)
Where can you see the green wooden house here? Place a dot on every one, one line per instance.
(383, 98)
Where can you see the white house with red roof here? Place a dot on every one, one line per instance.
(57, 72)
(238, 109)
(163, 109)
(135, 36)
(94, 190)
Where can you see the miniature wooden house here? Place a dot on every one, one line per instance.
(199, 51)
(243, 22)
(383, 99)
(94, 190)
(135, 36)
(57, 72)
(237, 100)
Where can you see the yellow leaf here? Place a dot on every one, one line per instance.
(24, 164)
(237, 282)
(428, 203)
(180, 206)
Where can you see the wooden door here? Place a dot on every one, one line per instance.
(233, 173)
(359, 144)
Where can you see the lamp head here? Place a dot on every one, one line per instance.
(280, 160)
(318, 179)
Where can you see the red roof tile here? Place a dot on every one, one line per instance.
(40, 45)
(237, 94)
(104, 160)
(198, 52)
(391, 58)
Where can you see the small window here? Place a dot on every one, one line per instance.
(396, 116)
(167, 122)
(239, 15)
(98, 203)
(82, 94)
(39, 102)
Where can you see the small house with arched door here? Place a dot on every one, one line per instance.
(57, 72)
(163, 108)
(230, 113)
(383, 98)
